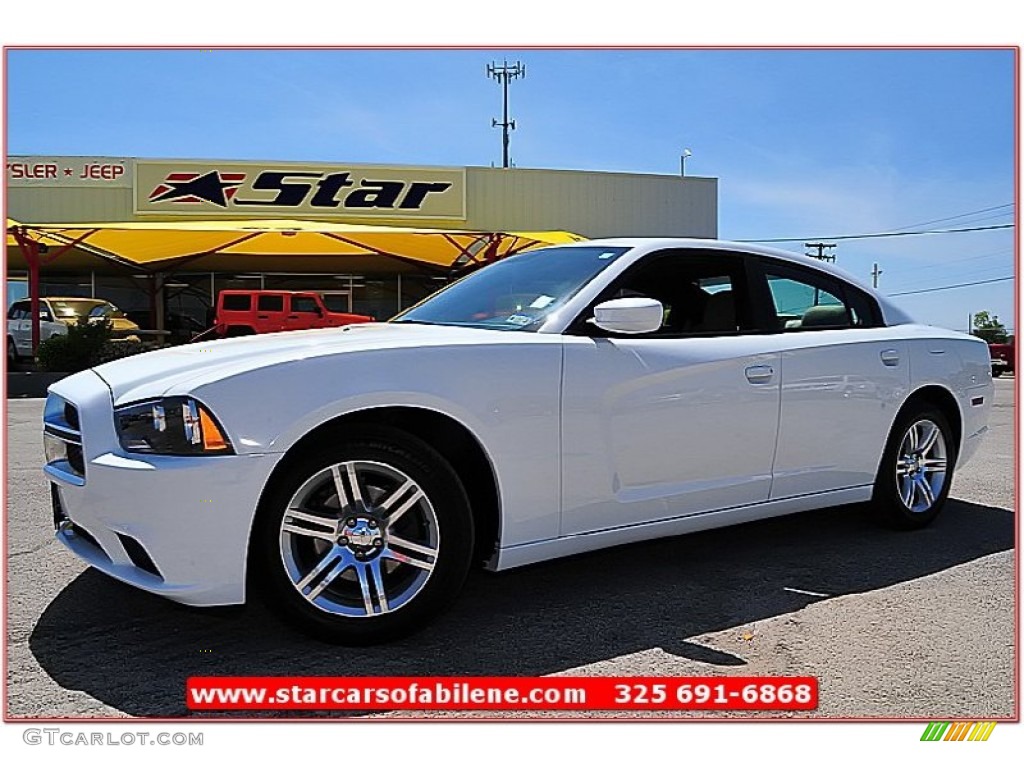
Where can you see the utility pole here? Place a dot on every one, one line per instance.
(504, 74)
(875, 273)
(821, 255)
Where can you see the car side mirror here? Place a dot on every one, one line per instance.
(632, 315)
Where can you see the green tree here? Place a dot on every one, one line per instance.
(75, 350)
(989, 328)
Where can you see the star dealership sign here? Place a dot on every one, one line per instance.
(212, 187)
(289, 190)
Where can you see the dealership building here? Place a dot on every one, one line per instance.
(160, 238)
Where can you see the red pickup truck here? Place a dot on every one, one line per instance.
(1003, 357)
(242, 313)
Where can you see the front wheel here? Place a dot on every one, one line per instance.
(916, 470)
(365, 540)
(12, 353)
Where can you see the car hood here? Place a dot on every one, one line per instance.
(154, 374)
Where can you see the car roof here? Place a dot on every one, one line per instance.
(893, 314)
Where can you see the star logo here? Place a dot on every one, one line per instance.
(210, 187)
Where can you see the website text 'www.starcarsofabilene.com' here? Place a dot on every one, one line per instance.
(502, 693)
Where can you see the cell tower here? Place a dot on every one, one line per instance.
(505, 73)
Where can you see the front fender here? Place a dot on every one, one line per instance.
(506, 395)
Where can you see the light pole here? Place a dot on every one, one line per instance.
(682, 161)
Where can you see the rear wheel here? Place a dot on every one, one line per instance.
(365, 540)
(916, 470)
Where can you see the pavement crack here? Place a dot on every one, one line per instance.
(21, 553)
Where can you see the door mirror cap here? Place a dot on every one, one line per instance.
(632, 315)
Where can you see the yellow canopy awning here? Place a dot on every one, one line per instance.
(12, 241)
(165, 245)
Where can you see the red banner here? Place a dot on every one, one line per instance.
(502, 693)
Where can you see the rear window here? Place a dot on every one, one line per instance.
(237, 302)
(271, 303)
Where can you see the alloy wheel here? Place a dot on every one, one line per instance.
(359, 539)
(921, 465)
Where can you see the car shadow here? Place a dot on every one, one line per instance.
(134, 651)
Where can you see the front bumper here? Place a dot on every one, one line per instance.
(177, 526)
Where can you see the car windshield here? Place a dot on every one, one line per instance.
(105, 310)
(517, 293)
(72, 308)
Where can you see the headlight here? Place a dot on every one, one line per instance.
(177, 426)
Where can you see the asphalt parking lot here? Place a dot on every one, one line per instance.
(893, 624)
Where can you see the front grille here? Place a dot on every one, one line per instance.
(59, 515)
(76, 530)
(138, 554)
(75, 459)
(62, 438)
(71, 417)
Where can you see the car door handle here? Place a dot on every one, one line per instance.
(890, 357)
(759, 374)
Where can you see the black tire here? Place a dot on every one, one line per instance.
(900, 475)
(356, 593)
(12, 353)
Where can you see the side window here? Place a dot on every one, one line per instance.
(270, 303)
(234, 302)
(806, 302)
(704, 294)
(303, 304)
(44, 312)
(19, 311)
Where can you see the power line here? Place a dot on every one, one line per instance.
(958, 216)
(943, 264)
(950, 287)
(953, 275)
(876, 234)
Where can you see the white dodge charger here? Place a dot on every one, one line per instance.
(559, 401)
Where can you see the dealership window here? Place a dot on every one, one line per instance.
(415, 288)
(190, 297)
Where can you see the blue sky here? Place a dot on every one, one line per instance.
(805, 143)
